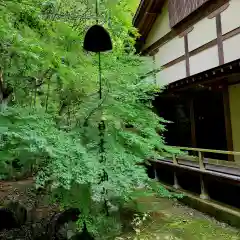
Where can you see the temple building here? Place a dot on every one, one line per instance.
(195, 49)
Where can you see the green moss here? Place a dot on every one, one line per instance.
(173, 221)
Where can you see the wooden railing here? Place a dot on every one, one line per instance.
(207, 150)
(200, 158)
(202, 166)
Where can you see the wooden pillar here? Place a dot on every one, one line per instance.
(193, 126)
(187, 61)
(219, 39)
(154, 69)
(200, 159)
(228, 125)
(176, 184)
(204, 193)
(155, 172)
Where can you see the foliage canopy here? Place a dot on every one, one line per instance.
(50, 108)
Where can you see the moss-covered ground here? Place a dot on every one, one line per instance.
(170, 220)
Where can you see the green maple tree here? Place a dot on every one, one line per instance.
(49, 119)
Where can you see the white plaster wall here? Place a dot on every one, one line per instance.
(171, 74)
(160, 28)
(204, 60)
(234, 101)
(170, 51)
(231, 16)
(203, 32)
(231, 48)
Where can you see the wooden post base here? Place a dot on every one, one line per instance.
(204, 194)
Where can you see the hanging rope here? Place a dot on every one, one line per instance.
(101, 127)
(97, 14)
(98, 40)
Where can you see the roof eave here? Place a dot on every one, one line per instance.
(136, 16)
(145, 16)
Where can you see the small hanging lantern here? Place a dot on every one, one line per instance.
(97, 39)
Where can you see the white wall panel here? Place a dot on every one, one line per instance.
(204, 31)
(231, 16)
(231, 48)
(171, 74)
(204, 60)
(170, 51)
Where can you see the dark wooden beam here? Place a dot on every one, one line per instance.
(187, 55)
(203, 47)
(199, 49)
(210, 76)
(219, 10)
(219, 39)
(175, 61)
(169, 36)
(193, 125)
(228, 125)
(232, 33)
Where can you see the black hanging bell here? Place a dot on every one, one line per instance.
(97, 39)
